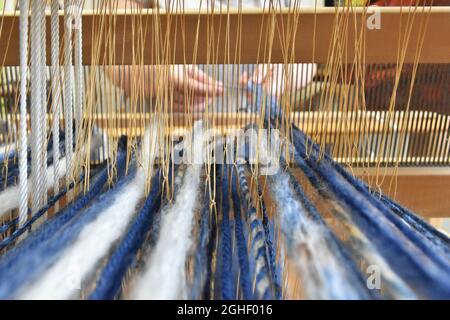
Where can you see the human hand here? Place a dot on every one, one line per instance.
(273, 77)
(191, 88)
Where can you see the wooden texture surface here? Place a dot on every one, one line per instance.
(186, 34)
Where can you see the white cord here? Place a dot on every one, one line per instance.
(56, 91)
(43, 105)
(36, 143)
(68, 86)
(23, 161)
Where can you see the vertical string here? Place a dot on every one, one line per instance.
(23, 161)
(78, 41)
(36, 127)
(55, 92)
(68, 78)
(43, 108)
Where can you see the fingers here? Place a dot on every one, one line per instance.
(201, 83)
(183, 103)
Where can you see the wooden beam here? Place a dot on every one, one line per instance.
(181, 30)
(423, 190)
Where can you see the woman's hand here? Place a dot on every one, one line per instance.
(187, 87)
(191, 87)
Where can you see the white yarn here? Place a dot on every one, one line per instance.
(64, 278)
(164, 274)
(150, 147)
(9, 198)
(23, 156)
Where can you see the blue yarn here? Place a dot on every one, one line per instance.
(235, 270)
(50, 203)
(268, 234)
(208, 293)
(227, 279)
(425, 276)
(202, 248)
(440, 260)
(10, 179)
(436, 238)
(8, 225)
(403, 290)
(241, 242)
(270, 249)
(258, 237)
(110, 280)
(10, 276)
(216, 269)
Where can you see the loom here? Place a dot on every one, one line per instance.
(215, 151)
